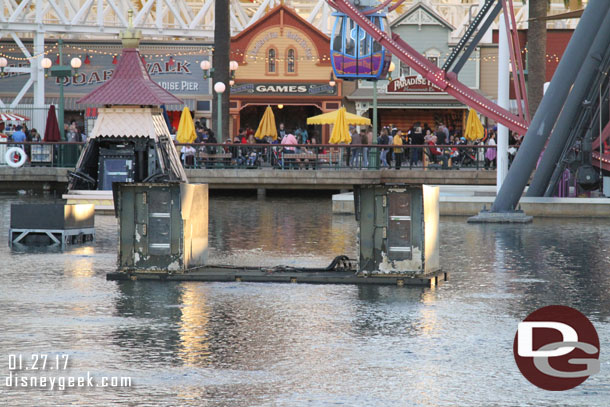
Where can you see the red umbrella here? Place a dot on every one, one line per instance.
(51, 131)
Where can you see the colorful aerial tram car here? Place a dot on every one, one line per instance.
(355, 55)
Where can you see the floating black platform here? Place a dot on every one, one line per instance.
(225, 274)
(51, 224)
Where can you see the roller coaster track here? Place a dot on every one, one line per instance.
(448, 82)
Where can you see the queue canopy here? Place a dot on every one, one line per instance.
(14, 117)
(186, 133)
(267, 128)
(332, 117)
(474, 127)
(340, 134)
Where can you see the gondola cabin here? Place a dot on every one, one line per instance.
(355, 54)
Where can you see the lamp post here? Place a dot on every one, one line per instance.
(61, 71)
(3, 64)
(332, 81)
(219, 87)
(374, 162)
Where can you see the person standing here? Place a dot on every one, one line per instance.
(367, 137)
(355, 151)
(398, 149)
(384, 140)
(18, 135)
(417, 139)
(281, 131)
(490, 154)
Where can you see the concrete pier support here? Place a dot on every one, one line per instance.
(261, 193)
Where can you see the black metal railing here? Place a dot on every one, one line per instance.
(285, 157)
(45, 154)
(332, 156)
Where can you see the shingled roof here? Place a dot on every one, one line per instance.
(130, 84)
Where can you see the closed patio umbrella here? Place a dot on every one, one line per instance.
(267, 128)
(186, 133)
(51, 130)
(340, 132)
(474, 127)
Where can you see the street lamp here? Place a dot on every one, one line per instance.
(332, 82)
(207, 69)
(233, 65)
(390, 70)
(219, 87)
(61, 71)
(3, 64)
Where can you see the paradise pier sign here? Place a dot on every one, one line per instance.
(407, 84)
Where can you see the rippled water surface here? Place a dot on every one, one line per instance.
(241, 344)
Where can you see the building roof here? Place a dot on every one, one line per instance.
(283, 17)
(130, 84)
(421, 14)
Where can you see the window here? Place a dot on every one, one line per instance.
(405, 70)
(271, 61)
(433, 55)
(291, 61)
(339, 34)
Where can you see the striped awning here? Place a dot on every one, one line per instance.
(7, 117)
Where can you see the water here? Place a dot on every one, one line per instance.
(241, 344)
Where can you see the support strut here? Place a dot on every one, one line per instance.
(550, 107)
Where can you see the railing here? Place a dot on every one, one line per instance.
(332, 156)
(286, 157)
(46, 154)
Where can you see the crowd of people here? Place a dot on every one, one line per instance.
(247, 150)
(439, 146)
(410, 147)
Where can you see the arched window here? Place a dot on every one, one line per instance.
(271, 61)
(291, 63)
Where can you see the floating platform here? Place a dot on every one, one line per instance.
(51, 224)
(276, 275)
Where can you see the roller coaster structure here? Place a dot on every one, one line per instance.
(574, 112)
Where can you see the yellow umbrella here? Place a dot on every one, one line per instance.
(267, 128)
(340, 132)
(474, 128)
(186, 129)
(331, 118)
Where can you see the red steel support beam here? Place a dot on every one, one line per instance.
(521, 71)
(446, 82)
(513, 60)
(604, 136)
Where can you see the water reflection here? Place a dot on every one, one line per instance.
(245, 344)
(194, 338)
